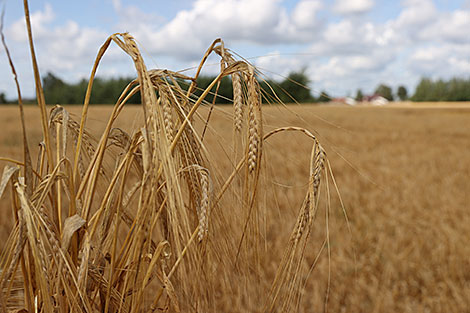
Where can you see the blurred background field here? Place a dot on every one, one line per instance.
(403, 173)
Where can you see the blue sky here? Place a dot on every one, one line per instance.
(343, 45)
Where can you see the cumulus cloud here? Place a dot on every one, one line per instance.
(441, 61)
(450, 27)
(342, 48)
(132, 18)
(63, 46)
(279, 65)
(39, 21)
(415, 19)
(421, 22)
(245, 20)
(258, 22)
(354, 37)
(66, 49)
(340, 73)
(419, 41)
(304, 15)
(347, 7)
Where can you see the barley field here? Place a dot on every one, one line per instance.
(177, 205)
(403, 175)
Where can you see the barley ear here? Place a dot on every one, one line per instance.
(254, 124)
(237, 102)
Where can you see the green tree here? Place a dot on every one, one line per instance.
(224, 94)
(439, 91)
(359, 95)
(423, 90)
(3, 98)
(402, 93)
(324, 97)
(456, 89)
(105, 91)
(384, 91)
(55, 90)
(295, 88)
(459, 89)
(271, 91)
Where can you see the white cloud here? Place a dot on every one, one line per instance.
(420, 41)
(304, 14)
(452, 27)
(39, 21)
(351, 67)
(416, 15)
(351, 37)
(245, 20)
(347, 7)
(258, 22)
(342, 52)
(420, 22)
(132, 18)
(68, 50)
(277, 66)
(59, 47)
(441, 61)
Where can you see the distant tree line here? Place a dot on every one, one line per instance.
(293, 88)
(455, 89)
(105, 91)
(3, 98)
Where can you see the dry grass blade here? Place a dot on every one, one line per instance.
(8, 173)
(39, 91)
(26, 155)
(44, 288)
(71, 225)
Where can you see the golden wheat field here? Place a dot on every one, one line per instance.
(403, 175)
(179, 205)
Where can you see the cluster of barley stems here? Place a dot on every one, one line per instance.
(142, 222)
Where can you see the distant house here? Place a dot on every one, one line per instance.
(366, 100)
(345, 100)
(375, 100)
